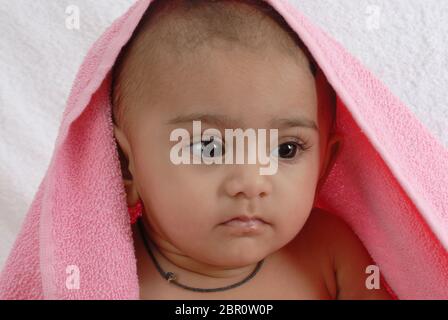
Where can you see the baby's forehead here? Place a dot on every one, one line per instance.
(178, 29)
(234, 82)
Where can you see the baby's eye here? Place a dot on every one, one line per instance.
(287, 150)
(207, 148)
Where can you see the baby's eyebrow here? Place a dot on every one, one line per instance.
(224, 121)
(294, 122)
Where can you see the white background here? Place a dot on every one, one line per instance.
(403, 42)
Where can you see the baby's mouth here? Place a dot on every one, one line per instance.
(244, 225)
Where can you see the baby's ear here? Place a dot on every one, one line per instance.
(334, 147)
(124, 152)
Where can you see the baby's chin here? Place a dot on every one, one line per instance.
(236, 253)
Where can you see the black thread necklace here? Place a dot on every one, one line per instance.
(171, 277)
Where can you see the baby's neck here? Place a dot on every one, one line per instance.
(188, 271)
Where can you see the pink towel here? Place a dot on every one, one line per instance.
(388, 183)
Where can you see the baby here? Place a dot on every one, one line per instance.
(224, 231)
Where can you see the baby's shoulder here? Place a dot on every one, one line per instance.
(324, 225)
(315, 246)
(345, 254)
(319, 243)
(331, 237)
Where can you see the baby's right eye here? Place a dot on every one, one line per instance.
(207, 148)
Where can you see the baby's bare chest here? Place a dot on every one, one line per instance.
(284, 275)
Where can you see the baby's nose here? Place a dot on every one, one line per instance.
(246, 181)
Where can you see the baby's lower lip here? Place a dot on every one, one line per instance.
(237, 226)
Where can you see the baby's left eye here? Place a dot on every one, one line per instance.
(287, 150)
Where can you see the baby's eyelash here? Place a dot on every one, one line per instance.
(301, 146)
(302, 143)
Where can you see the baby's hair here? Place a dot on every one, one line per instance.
(179, 27)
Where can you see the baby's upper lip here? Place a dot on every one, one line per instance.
(245, 217)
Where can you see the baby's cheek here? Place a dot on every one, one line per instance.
(182, 206)
(291, 225)
(293, 212)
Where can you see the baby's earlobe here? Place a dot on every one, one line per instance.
(132, 195)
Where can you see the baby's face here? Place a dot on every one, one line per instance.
(185, 204)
